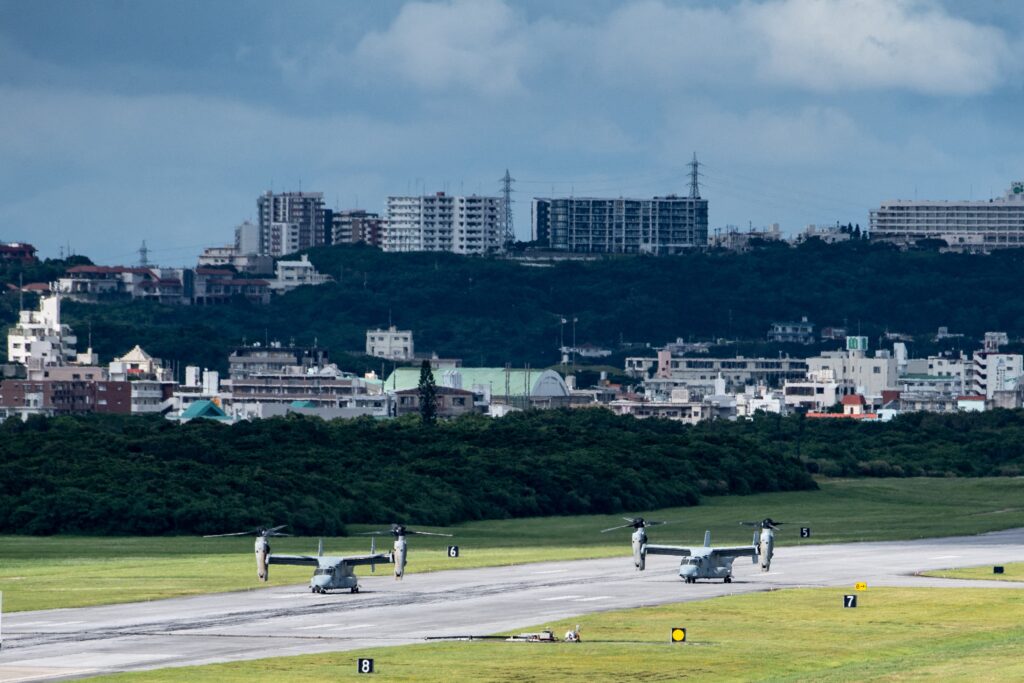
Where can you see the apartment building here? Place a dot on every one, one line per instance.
(290, 222)
(441, 222)
(699, 374)
(980, 225)
(392, 343)
(355, 226)
(39, 338)
(660, 225)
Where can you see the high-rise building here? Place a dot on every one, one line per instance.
(355, 226)
(40, 339)
(290, 222)
(661, 225)
(440, 222)
(968, 225)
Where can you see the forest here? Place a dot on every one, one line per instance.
(146, 475)
(490, 311)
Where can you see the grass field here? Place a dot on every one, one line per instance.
(1011, 572)
(62, 571)
(894, 634)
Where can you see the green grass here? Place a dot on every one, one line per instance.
(63, 571)
(895, 634)
(1012, 572)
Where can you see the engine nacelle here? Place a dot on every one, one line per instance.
(262, 553)
(639, 555)
(766, 548)
(399, 556)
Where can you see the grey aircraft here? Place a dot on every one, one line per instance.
(704, 562)
(765, 541)
(400, 531)
(331, 572)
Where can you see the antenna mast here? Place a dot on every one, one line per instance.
(506, 195)
(694, 175)
(143, 255)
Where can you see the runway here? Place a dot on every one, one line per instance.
(290, 620)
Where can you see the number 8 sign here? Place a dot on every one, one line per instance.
(364, 666)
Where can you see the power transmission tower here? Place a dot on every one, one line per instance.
(143, 255)
(694, 175)
(506, 194)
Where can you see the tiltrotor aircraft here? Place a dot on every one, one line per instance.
(399, 531)
(703, 562)
(639, 526)
(331, 572)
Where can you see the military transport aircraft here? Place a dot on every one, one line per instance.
(704, 562)
(639, 526)
(331, 572)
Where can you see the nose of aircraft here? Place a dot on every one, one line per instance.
(687, 570)
(321, 581)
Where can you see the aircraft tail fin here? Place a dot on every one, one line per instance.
(707, 538)
(373, 550)
(320, 549)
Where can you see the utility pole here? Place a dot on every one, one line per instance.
(506, 195)
(143, 255)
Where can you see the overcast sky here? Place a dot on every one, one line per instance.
(125, 120)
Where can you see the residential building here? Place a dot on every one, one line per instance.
(274, 358)
(392, 343)
(991, 372)
(698, 375)
(760, 399)
(449, 402)
(975, 225)
(734, 239)
(792, 332)
(152, 385)
(247, 239)
(219, 257)
(660, 225)
(39, 338)
(52, 397)
(293, 274)
(290, 222)
(687, 412)
(441, 222)
(316, 387)
(17, 251)
(355, 226)
(869, 375)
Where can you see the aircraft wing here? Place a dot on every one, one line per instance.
(377, 558)
(667, 550)
(738, 551)
(293, 559)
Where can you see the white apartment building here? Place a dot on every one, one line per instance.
(818, 392)
(870, 376)
(39, 338)
(991, 372)
(968, 225)
(392, 343)
(440, 222)
(293, 274)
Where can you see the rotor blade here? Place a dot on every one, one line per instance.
(276, 533)
(386, 532)
(237, 533)
(652, 523)
(426, 533)
(278, 528)
(621, 526)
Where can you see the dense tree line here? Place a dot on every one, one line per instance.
(493, 311)
(124, 475)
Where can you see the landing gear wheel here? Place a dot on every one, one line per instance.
(313, 589)
(728, 579)
(355, 589)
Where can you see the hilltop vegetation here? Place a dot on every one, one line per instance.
(124, 475)
(492, 311)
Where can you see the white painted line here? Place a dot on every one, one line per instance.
(550, 571)
(66, 623)
(561, 597)
(945, 557)
(598, 597)
(348, 628)
(306, 628)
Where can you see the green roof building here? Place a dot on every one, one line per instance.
(508, 386)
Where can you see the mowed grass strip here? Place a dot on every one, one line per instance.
(894, 634)
(62, 571)
(1011, 572)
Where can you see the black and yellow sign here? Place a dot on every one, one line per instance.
(679, 635)
(860, 586)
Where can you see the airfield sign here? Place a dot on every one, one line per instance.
(849, 601)
(364, 665)
(678, 635)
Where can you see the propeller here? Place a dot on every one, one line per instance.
(635, 523)
(397, 530)
(258, 531)
(766, 523)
